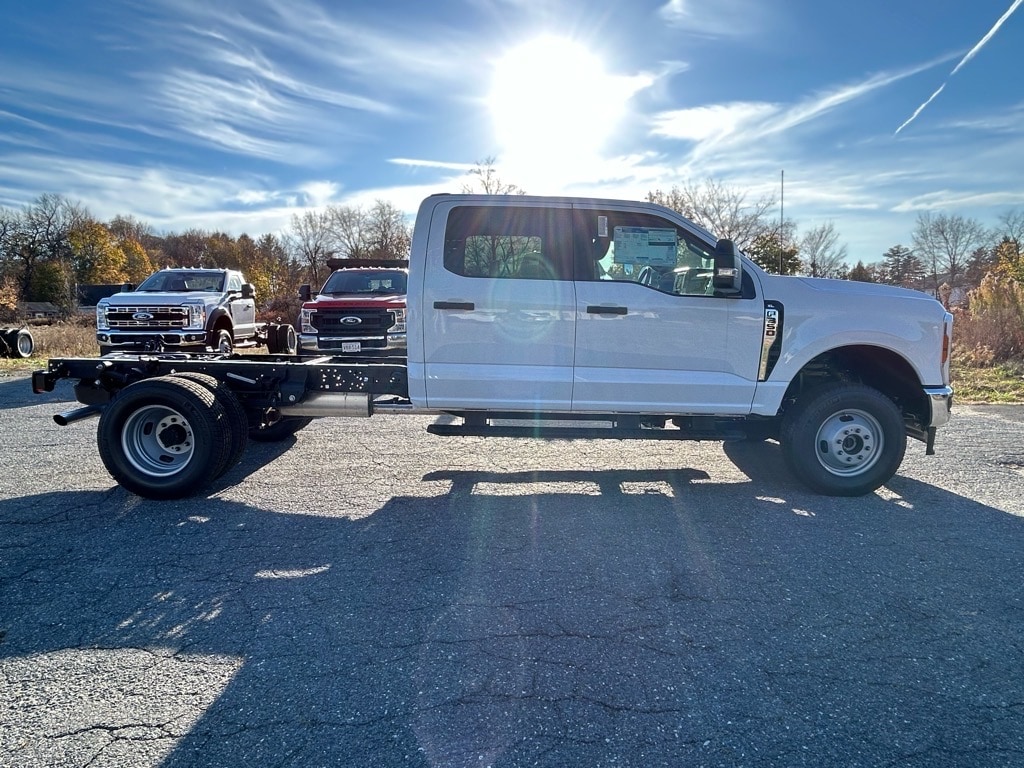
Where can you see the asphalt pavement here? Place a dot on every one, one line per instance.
(367, 594)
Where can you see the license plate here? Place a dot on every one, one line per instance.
(351, 346)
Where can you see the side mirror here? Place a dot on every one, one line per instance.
(728, 277)
(248, 291)
(127, 288)
(305, 293)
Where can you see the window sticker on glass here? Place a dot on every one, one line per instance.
(646, 245)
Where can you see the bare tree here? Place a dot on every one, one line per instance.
(348, 231)
(946, 242)
(820, 251)
(46, 226)
(310, 240)
(721, 210)
(388, 234)
(125, 228)
(1011, 225)
(489, 182)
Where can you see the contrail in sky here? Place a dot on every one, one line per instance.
(970, 55)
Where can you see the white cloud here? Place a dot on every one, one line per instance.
(319, 193)
(721, 18)
(713, 121)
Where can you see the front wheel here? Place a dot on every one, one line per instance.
(843, 439)
(221, 341)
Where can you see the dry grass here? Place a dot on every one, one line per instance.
(66, 339)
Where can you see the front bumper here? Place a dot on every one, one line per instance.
(940, 402)
(392, 344)
(133, 340)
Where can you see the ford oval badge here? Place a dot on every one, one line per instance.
(142, 316)
(351, 320)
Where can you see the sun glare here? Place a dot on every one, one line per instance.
(553, 104)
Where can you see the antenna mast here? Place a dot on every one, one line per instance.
(782, 213)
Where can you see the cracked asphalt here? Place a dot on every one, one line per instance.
(372, 595)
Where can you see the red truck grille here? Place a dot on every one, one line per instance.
(352, 322)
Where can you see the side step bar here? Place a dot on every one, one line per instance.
(580, 433)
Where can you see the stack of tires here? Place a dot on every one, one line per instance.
(16, 342)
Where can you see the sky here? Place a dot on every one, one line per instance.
(235, 115)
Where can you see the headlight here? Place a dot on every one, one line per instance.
(399, 326)
(196, 316)
(101, 317)
(306, 321)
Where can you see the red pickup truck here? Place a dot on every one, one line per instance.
(359, 311)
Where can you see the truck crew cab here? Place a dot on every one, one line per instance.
(527, 314)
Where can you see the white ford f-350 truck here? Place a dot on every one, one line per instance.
(187, 310)
(563, 318)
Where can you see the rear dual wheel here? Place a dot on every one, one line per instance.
(165, 437)
(237, 420)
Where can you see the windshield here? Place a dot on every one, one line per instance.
(366, 281)
(172, 280)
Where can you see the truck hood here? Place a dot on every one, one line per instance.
(160, 298)
(851, 288)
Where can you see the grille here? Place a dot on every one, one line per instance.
(163, 317)
(373, 322)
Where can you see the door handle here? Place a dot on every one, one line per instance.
(597, 310)
(467, 305)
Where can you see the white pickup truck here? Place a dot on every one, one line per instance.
(565, 318)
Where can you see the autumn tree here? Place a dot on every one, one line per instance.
(52, 281)
(1008, 260)
(222, 252)
(820, 251)
(722, 210)
(138, 265)
(188, 249)
(96, 256)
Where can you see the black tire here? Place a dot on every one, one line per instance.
(278, 429)
(222, 341)
(287, 339)
(164, 438)
(21, 343)
(843, 439)
(237, 420)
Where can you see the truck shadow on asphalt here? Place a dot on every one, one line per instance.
(541, 618)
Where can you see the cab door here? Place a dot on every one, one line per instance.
(243, 310)
(498, 306)
(658, 344)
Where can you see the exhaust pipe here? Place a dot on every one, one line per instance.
(70, 417)
(318, 404)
